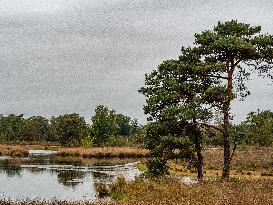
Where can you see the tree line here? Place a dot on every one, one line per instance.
(69, 129)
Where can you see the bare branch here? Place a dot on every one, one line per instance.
(212, 126)
(237, 62)
(217, 76)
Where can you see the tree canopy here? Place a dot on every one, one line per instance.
(257, 129)
(70, 129)
(103, 124)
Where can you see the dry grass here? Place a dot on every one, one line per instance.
(18, 151)
(103, 152)
(172, 192)
(250, 163)
(250, 158)
(98, 161)
(205, 193)
(96, 152)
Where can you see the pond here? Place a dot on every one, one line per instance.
(45, 176)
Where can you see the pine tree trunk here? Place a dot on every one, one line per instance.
(226, 167)
(226, 124)
(199, 158)
(198, 149)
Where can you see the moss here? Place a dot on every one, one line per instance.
(142, 167)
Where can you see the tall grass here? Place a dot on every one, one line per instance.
(250, 162)
(18, 151)
(104, 152)
(251, 158)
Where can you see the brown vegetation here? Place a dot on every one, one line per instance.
(96, 152)
(104, 152)
(250, 158)
(155, 192)
(250, 162)
(18, 151)
(205, 193)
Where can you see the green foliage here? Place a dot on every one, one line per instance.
(36, 128)
(123, 122)
(101, 190)
(118, 188)
(257, 129)
(157, 167)
(108, 129)
(177, 96)
(119, 141)
(142, 167)
(103, 124)
(234, 44)
(70, 129)
(11, 127)
(87, 141)
(126, 126)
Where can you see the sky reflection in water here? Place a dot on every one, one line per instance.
(47, 177)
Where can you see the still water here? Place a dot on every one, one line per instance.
(44, 176)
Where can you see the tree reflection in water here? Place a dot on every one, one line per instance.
(9, 168)
(70, 178)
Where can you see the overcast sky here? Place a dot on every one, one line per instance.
(64, 56)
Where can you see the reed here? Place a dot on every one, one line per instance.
(16, 151)
(104, 152)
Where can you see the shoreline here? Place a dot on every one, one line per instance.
(95, 152)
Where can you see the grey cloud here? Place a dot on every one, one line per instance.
(60, 56)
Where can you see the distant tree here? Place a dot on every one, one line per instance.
(36, 128)
(135, 127)
(243, 51)
(257, 129)
(11, 127)
(103, 124)
(123, 124)
(126, 126)
(69, 129)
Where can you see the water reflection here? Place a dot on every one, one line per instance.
(70, 178)
(9, 168)
(49, 177)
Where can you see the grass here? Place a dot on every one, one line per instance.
(168, 191)
(250, 158)
(103, 152)
(172, 192)
(96, 152)
(250, 163)
(16, 151)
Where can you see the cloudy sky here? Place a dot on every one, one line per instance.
(63, 56)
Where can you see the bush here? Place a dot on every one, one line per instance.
(101, 190)
(157, 167)
(118, 189)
